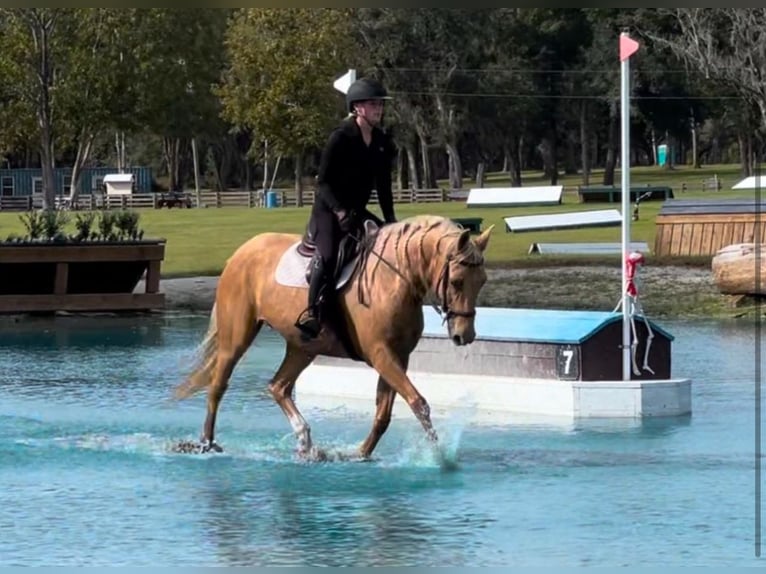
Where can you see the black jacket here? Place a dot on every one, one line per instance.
(349, 170)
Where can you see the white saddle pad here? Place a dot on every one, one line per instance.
(292, 268)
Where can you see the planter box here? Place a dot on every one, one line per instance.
(98, 276)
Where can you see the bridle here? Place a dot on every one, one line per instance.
(445, 311)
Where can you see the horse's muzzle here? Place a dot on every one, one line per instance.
(461, 339)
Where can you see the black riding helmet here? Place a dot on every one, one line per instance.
(365, 89)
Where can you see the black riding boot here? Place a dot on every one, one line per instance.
(309, 322)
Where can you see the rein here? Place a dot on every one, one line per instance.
(444, 310)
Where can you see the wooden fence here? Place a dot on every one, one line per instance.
(208, 198)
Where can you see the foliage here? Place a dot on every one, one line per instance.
(83, 223)
(280, 71)
(90, 226)
(528, 87)
(34, 224)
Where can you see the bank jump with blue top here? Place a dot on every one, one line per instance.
(553, 363)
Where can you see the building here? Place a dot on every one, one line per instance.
(29, 181)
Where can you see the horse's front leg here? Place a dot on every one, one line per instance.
(384, 402)
(393, 369)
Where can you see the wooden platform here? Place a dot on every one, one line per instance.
(702, 227)
(40, 277)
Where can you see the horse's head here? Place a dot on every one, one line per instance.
(461, 277)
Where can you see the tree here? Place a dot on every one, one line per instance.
(62, 80)
(32, 63)
(179, 56)
(725, 44)
(279, 76)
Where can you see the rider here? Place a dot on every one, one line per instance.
(356, 159)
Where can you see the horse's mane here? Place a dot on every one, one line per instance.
(421, 227)
(397, 244)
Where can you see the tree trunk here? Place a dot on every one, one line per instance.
(480, 171)
(570, 163)
(511, 155)
(695, 147)
(429, 180)
(671, 147)
(248, 179)
(172, 151)
(744, 159)
(456, 166)
(42, 31)
(299, 179)
(119, 146)
(548, 151)
(47, 164)
(84, 146)
(412, 165)
(402, 180)
(611, 149)
(216, 173)
(584, 155)
(195, 159)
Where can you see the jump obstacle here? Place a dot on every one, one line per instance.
(514, 196)
(692, 227)
(572, 220)
(563, 364)
(603, 248)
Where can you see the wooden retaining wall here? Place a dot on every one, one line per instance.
(702, 227)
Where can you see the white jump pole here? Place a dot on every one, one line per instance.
(628, 47)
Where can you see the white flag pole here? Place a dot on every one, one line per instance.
(627, 47)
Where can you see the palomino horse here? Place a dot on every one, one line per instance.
(381, 308)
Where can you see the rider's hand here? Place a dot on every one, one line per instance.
(345, 220)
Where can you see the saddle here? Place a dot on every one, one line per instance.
(349, 250)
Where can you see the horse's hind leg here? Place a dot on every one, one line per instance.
(235, 334)
(281, 387)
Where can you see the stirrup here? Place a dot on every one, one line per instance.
(309, 325)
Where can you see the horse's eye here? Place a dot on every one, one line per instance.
(457, 283)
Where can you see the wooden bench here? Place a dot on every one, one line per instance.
(472, 223)
(611, 194)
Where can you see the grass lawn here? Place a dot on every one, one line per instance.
(200, 240)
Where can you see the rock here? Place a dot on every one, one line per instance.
(734, 270)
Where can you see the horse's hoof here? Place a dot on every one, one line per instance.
(313, 454)
(187, 447)
(211, 447)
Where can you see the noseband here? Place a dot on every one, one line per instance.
(445, 311)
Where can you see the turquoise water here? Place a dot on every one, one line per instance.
(89, 479)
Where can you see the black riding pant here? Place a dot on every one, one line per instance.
(326, 233)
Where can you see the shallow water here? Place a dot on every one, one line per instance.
(90, 479)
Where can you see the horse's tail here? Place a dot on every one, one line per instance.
(207, 354)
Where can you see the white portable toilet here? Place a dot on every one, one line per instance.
(119, 183)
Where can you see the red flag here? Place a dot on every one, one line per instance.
(628, 47)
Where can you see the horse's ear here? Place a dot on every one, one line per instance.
(483, 239)
(463, 240)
